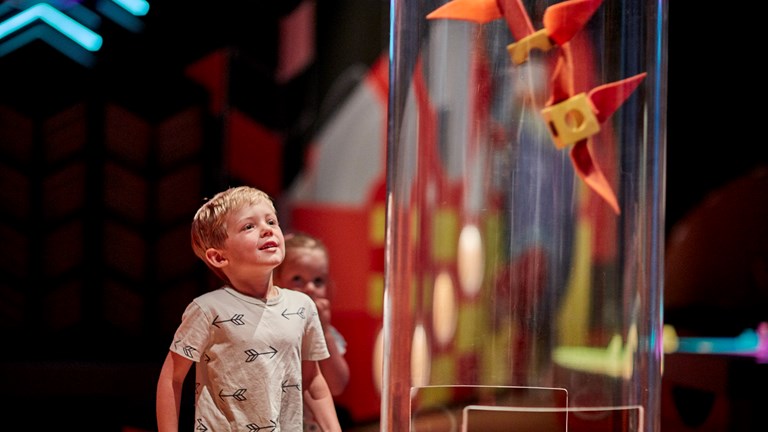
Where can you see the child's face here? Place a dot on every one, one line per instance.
(306, 270)
(254, 238)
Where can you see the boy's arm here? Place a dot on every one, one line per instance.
(169, 385)
(318, 397)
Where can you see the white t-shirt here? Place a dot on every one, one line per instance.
(249, 354)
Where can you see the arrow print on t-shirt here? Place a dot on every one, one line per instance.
(238, 395)
(188, 350)
(253, 354)
(255, 427)
(285, 385)
(300, 313)
(200, 426)
(236, 319)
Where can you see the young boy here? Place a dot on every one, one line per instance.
(306, 269)
(256, 346)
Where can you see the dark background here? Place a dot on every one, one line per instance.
(712, 126)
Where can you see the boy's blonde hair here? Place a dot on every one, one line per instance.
(209, 228)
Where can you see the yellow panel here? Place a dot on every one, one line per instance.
(377, 225)
(496, 365)
(436, 396)
(469, 328)
(443, 370)
(376, 294)
(573, 317)
(493, 248)
(445, 235)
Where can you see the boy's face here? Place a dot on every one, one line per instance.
(306, 270)
(254, 239)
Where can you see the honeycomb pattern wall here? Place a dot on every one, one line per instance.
(98, 200)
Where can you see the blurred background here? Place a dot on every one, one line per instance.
(117, 119)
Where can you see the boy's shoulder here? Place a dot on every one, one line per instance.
(212, 294)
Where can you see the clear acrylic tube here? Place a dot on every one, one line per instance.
(525, 203)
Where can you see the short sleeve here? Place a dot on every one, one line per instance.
(193, 335)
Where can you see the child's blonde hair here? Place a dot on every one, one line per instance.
(303, 240)
(209, 228)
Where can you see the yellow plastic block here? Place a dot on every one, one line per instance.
(519, 50)
(571, 121)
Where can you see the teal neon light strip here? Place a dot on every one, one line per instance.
(80, 34)
(52, 38)
(120, 16)
(84, 16)
(136, 7)
(747, 341)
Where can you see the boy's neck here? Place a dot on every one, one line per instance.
(262, 290)
(270, 293)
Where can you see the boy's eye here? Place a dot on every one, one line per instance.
(248, 226)
(319, 282)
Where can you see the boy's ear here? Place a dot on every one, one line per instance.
(215, 258)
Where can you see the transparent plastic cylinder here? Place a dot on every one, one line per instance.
(525, 204)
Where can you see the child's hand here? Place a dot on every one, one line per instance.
(324, 310)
